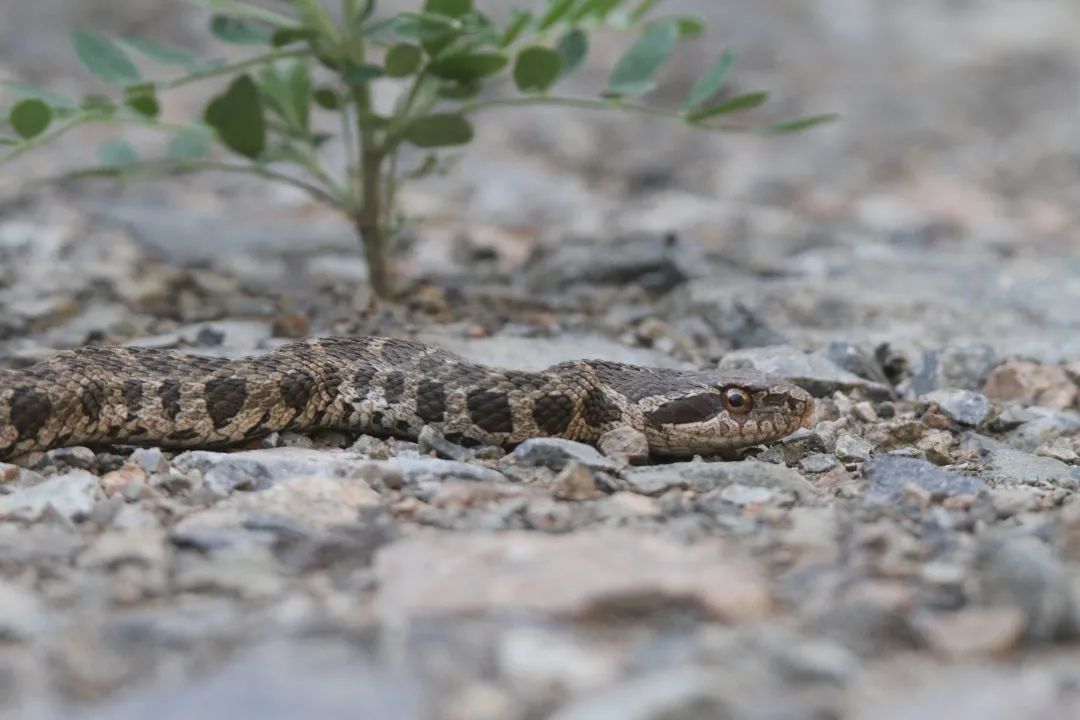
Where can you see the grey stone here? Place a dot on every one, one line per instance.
(739, 325)
(852, 448)
(75, 457)
(1021, 571)
(818, 463)
(858, 360)
(678, 693)
(22, 614)
(655, 262)
(72, 496)
(432, 441)
(625, 445)
(963, 407)
(889, 475)
(964, 367)
(1044, 425)
(816, 373)
(1004, 465)
(318, 678)
(151, 460)
(259, 469)
(556, 453)
(706, 476)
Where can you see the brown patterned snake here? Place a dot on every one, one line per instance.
(384, 386)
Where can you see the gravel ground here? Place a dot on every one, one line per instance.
(916, 553)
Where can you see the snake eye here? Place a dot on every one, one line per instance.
(737, 401)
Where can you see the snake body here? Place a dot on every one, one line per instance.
(385, 386)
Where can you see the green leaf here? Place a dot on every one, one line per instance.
(690, 27)
(143, 100)
(326, 98)
(237, 116)
(188, 145)
(573, 47)
(164, 53)
(711, 82)
(439, 130)
(117, 153)
(460, 90)
(287, 36)
(600, 9)
(32, 91)
(402, 60)
(556, 11)
(104, 58)
(739, 102)
(633, 74)
(239, 31)
(797, 124)
(246, 10)
(468, 66)
(286, 90)
(537, 68)
(356, 75)
(30, 117)
(518, 20)
(450, 8)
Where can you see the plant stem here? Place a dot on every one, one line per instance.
(369, 226)
(589, 104)
(233, 67)
(368, 219)
(46, 137)
(191, 166)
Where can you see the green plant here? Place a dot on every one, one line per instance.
(445, 59)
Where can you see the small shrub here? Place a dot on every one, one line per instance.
(446, 58)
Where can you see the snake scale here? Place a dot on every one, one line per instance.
(385, 386)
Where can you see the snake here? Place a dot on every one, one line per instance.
(121, 396)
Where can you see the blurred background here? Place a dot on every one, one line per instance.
(926, 237)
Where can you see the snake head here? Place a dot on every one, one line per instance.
(720, 411)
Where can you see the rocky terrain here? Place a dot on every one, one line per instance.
(915, 553)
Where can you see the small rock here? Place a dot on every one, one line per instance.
(963, 407)
(852, 448)
(1009, 501)
(963, 367)
(439, 574)
(858, 360)
(627, 505)
(625, 445)
(575, 482)
(680, 693)
(936, 446)
(1004, 465)
(76, 458)
(817, 463)
(706, 476)
(556, 453)
(72, 496)
(739, 325)
(889, 475)
(743, 495)
(815, 373)
(1023, 573)
(864, 411)
(431, 440)
(1043, 425)
(22, 615)
(1059, 450)
(1032, 384)
(975, 632)
(150, 460)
